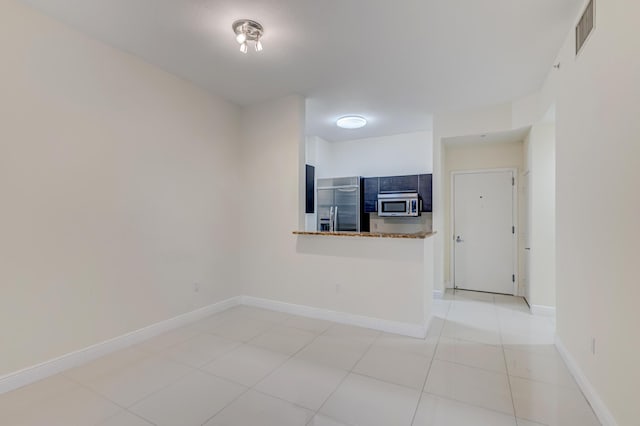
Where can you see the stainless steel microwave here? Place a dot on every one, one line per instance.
(399, 204)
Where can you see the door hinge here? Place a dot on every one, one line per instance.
(513, 229)
(513, 278)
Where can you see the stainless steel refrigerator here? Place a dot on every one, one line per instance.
(339, 204)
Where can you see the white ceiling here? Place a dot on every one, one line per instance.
(394, 61)
(510, 136)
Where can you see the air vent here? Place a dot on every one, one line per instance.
(585, 26)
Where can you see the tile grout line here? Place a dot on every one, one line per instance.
(162, 354)
(293, 355)
(433, 357)
(124, 409)
(199, 369)
(506, 367)
(248, 388)
(509, 376)
(447, 361)
(349, 372)
(149, 355)
(133, 414)
(373, 343)
(252, 388)
(486, 370)
(315, 413)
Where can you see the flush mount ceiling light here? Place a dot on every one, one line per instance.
(247, 31)
(351, 122)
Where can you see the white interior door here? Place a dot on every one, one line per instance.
(484, 231)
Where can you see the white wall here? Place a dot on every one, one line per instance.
(112, 174)
(396, 155)
(541, 166)
(597, 203)
(475, 157)
(527, 111)
(380, 278)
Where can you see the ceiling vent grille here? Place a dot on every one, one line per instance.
(585, 26)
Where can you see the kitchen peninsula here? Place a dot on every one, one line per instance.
(393, 273)
(379, 271)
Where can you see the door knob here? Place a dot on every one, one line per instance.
(459, 240)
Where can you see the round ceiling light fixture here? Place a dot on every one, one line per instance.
(247, 31)
(351, 122)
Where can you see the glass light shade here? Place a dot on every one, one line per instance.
(241, 38)
(258, 46)
(351, 122)
(243, 47)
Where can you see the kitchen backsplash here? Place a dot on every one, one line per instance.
(401, 224)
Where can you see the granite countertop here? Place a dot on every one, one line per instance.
(416, 235)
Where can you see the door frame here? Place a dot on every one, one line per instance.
(526, 291)
(514, 219)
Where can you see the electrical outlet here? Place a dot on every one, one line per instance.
(338, 288)
(593, 345)
(196, 287)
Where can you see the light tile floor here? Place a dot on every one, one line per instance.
(486, 361)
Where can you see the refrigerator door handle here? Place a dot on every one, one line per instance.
(331, 219)
(335, 219)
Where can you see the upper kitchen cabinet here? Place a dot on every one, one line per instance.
(399, 184)
(425, 185)
(422, 184)
(371, 190)
(310, 189)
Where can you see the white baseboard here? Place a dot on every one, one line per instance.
(74, 359)
(543, 311)
(395, 327)
(601, 410)
(70, 360)
(427, 325)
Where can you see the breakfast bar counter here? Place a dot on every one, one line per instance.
(416, 235)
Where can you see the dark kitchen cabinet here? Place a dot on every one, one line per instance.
(310, 189)
(399, 183)
(371, 190)
(372, 186)
(425, 187)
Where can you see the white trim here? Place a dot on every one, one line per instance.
(395, 327)
(590, 393)
(543, 311)
(437, 294)
(427, 326)
(70, 360)
(514, 219)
